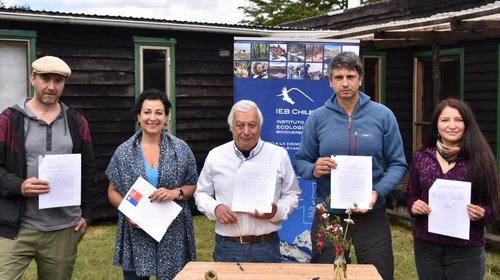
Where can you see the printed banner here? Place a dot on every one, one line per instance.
(287, 79)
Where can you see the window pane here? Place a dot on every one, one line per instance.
(371, 77)
(13, 72)
(154, 69)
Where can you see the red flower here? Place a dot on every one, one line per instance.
(320, 243)
(333, 230)
(339, 250)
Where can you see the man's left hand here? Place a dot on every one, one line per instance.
(372, 203)
(82, 226)
(265, 216)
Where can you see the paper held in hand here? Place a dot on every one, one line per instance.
(153, 217)
(64, 173)
(254, 187)
(351, 182)
(448, 200)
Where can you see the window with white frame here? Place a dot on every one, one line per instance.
(14, 81)
(16, 54)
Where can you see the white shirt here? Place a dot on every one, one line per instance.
(217, 179)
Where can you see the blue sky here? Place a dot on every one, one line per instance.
(216, 11)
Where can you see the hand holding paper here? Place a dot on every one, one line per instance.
(153, 217)
(351, 182)
(266, 216)
(64, 174)
(448, 200)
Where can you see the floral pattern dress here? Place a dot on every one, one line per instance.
(135, 250)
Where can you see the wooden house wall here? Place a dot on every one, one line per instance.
(480, 87)
(102, 85)
(399, 93)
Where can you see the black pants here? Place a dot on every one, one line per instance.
(371, 236)
(436, 261)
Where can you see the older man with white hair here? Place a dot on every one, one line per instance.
(246, 236)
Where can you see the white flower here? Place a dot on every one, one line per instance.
(349, 221)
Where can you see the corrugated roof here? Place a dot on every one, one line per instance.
(130, 18)
(436, 22)
(16, 14)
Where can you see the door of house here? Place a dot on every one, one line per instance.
(155, 68)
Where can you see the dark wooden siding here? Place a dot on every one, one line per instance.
(102, 85)
(481, 85)
(399, 93)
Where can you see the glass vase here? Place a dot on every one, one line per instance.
(340, 267)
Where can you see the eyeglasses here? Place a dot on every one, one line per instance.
(241, 126)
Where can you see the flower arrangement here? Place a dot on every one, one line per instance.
(332, 229)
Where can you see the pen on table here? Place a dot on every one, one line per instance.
(239, 265)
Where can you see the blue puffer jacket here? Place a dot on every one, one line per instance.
(372, 130)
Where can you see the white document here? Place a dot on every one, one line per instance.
(351, 182)
(254, 189)
(448, 200)
(153, 217)
(64, 173)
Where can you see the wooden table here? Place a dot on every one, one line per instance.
(274, 271)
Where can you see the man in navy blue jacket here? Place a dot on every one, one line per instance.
(351, 124)
(42, 125)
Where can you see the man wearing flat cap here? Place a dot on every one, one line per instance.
(42, 125)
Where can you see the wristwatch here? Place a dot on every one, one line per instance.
(181, 193)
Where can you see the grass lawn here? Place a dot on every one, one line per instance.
(95, 253)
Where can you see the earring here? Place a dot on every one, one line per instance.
(138, 123)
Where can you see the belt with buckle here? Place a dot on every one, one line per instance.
(252, 239)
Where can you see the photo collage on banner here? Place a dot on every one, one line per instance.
(287, 79)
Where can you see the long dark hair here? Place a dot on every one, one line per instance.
(481, 165)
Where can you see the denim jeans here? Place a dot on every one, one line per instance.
(436, 261)
(230, 251)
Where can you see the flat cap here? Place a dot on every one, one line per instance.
(51, 64)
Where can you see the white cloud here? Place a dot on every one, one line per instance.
(215, 11)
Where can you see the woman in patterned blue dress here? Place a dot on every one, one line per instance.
(169, 165)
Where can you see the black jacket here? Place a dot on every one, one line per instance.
(13, 167)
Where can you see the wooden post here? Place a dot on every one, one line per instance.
(436, 75)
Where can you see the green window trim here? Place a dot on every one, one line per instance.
(23, 35)
(498, 110)
(458, 51)
(383, 71)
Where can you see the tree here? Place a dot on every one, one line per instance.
(274, 12)
(24, 7)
